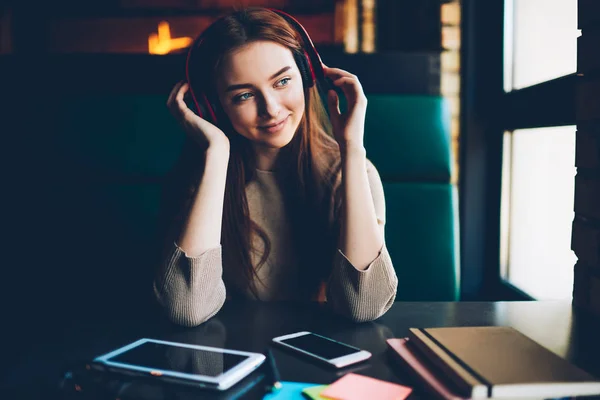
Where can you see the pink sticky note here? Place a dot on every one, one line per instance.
(360, 387)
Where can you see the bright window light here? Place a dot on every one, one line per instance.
(540, 41)
(537, 211)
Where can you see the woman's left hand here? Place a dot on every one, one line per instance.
(348, 128)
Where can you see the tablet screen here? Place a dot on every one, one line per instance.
(179, 359)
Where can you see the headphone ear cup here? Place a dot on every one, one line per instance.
(216, 115)
(204, 111)
(305, 71)
(203, 108)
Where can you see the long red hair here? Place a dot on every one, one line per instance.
(311, 174)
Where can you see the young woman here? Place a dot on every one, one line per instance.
(276, 201)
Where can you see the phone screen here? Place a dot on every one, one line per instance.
(320, 346)
(179, 359)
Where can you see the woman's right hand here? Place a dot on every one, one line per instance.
(203, 132)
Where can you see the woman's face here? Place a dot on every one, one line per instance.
(260, 88)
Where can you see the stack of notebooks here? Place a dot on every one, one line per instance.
(488, 362)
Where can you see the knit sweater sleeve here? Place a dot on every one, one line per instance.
(364, 295)
(190, 289)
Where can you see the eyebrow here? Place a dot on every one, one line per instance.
(247, 85)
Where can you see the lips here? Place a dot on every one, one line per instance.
(275, 126)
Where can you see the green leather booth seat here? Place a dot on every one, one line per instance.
(114, 152)
(408, 140)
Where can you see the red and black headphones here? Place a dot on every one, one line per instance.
(309, 63)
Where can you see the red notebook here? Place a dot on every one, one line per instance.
(432, 383)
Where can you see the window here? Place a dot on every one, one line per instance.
(540, 41)
(537, 206)
(538, 171)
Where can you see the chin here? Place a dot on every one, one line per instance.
(277, 143)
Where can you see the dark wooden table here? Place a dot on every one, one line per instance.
(568, 332)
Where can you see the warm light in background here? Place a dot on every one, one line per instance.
(163, 43)
(450, 73)
(368, 26)
(358, 16)
(351, 26)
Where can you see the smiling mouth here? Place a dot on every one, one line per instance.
(275, 126)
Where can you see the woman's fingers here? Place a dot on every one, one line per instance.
(180, 94)
(346, 81)
(187, 115)
(351, 88)
(335, 73)
(173, 102)
(182, 90)
(181, 107)
(333, 102)
(174, 92)
(199, 129)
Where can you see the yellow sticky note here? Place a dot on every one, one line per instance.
(289, 391)
(360, 387)
(314, 393)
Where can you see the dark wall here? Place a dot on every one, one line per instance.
(586, 225)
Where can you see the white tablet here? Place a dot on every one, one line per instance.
(208, 367)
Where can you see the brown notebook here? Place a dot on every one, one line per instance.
(499, 362)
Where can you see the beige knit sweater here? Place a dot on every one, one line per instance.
(191, 289)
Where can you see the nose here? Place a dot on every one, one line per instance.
(269, 106)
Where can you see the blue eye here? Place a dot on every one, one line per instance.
(284, 82)
(242, 97)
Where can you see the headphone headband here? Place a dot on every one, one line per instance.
(316, 65)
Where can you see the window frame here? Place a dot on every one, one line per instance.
(489, 111)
